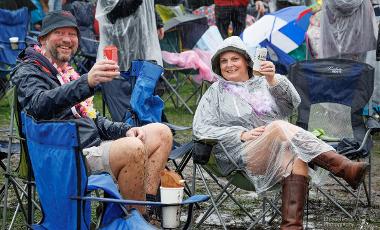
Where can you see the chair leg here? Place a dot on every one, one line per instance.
(294, 191)
(212, 200)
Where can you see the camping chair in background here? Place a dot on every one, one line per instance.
(205, 162)
(131, 99)
(53, 151)
(181, 33)
(18, 178)
(333, 94)
(13, 23)
(168, 12)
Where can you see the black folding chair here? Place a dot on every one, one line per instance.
(205, 164)
(334, 93)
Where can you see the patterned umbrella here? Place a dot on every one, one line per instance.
(281, 32)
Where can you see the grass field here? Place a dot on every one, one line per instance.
(178, 116)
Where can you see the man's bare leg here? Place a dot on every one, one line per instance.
(158, 143)
(128, 162)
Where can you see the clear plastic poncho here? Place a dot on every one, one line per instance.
(348, 29)
(229, 108)
(135, 36)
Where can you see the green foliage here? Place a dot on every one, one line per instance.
(5, 113)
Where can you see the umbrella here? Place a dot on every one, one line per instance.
(281, 32)
(190, 27)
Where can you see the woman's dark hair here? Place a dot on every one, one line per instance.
(123, 9)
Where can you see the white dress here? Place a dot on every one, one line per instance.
(229, 108)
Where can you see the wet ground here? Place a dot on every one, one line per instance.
(319, 213)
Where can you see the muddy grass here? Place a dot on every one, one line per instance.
(320, 214)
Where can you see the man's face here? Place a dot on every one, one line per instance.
(60, 44)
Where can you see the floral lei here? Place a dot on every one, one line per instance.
(261, 102)
(65, 75)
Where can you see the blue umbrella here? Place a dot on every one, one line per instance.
(280, 32)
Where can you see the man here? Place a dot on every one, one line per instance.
(49, 88)
(131, 26)
(235, 12)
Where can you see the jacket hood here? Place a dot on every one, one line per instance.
(344, 7)
(30, 55)
(233, 43)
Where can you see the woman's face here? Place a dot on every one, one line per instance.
(233, 66)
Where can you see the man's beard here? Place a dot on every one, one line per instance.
(59, 57)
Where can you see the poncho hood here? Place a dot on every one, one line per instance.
(344, 7)
(233, 43)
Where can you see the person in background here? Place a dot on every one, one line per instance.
(159, 22)
(48, 88)
(343, 24)
(235, 12)
(38, 14)
(130, 26)
(55, 4)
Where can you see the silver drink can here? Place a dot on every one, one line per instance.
(260, 55)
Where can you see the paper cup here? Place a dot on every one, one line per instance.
(14, 42)
(171, 214)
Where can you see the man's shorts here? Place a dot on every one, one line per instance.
(98, 158)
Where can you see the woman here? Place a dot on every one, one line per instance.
(247, 113)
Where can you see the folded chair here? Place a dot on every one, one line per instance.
(205, 162)
(333, 94)
(132, 99)
(64, 188)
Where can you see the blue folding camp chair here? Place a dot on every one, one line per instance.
(12, 24)
(18, 178)
(333, 94)
(63, 185)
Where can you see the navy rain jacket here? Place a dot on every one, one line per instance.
(41, 96)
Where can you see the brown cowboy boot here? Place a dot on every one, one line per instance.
(294, 192)
(352, 172)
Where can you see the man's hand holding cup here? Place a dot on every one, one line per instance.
(103, 71)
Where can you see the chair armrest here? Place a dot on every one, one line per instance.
(176, 127)
(181, 150)
(373, 125)
(190, 200)
(202, 150)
